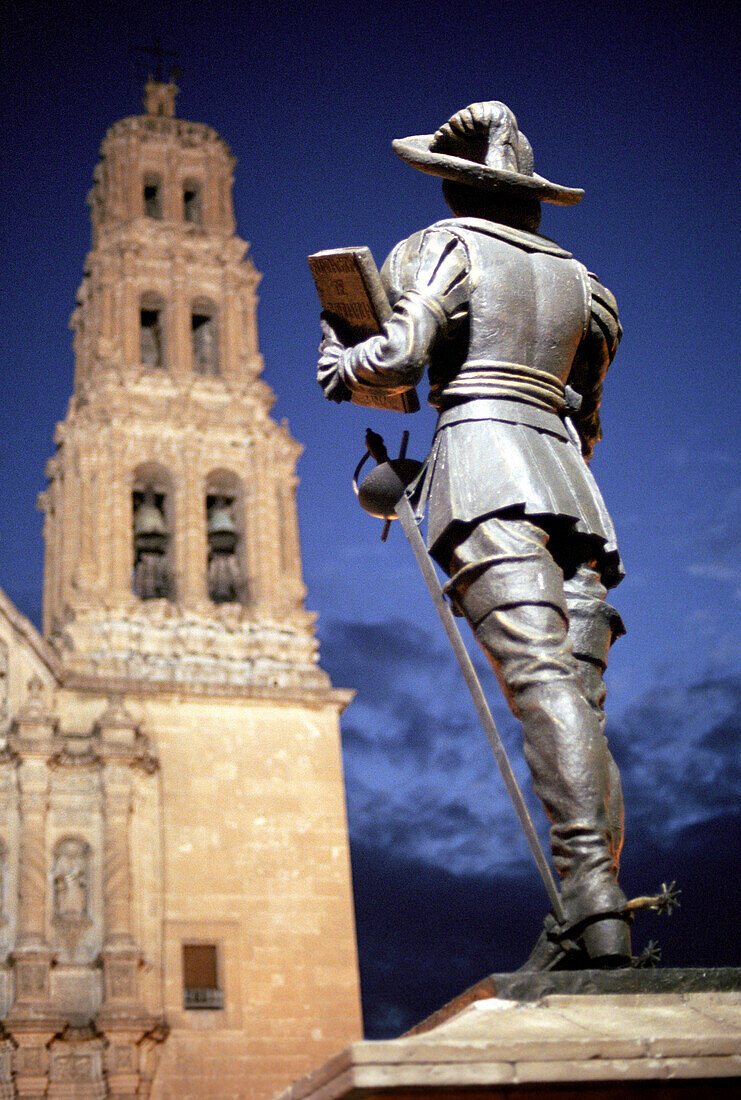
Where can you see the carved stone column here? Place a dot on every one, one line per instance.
(122, 1019)
(192, 530)
(179, 323)
(121, 957)
(32, 956)
(120, 516)
(31, 1020)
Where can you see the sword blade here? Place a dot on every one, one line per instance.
(411, 530)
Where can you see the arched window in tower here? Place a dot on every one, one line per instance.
(192, 204)
(224, 539)
(151, 331)
(204, 336)
(152, 538)
(152, 196)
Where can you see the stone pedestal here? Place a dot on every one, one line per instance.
(616, 1045)
(32, 987)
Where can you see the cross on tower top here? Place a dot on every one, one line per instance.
(159, 95)
(159, 55)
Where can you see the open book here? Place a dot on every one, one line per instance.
(351, 293)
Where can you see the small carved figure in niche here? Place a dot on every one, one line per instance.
(150, 338)
(151, 541)
(224, 581)
(71, 880)
(518, 337)
(204, 344)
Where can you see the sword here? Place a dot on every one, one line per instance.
(411, 530)
(403, 510)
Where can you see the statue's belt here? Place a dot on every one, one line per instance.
(490, 378)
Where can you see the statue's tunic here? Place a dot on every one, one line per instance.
(505, 320)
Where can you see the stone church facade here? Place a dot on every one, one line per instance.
(175, 904)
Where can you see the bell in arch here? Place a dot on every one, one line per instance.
(222, 536)
(151, 540)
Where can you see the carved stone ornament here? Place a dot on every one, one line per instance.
(35, 720)
(76, 1064)
(116, 727)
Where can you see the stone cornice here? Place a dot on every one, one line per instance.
(145, 399)
(316, 698)
(176, 130)
(162, 241)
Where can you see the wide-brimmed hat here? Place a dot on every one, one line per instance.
(482, 147)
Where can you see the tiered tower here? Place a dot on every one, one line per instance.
(171, 799)
(171, 540)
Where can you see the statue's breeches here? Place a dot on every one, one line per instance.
(513, 594)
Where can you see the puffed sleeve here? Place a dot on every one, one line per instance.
(593, 357)
(428, 280)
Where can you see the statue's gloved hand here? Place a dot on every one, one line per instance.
(329, 368)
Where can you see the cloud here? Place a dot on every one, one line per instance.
(422, 782)
(719, 543)
(426, 934)
(678, 750)
(420, 774)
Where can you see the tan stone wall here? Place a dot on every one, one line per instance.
(240, 840)
(257, 861)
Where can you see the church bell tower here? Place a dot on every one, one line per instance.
(175, 902)
(171, 538)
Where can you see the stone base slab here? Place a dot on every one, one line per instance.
(533, 986)
(621, 1045)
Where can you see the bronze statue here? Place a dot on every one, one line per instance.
(517, 336)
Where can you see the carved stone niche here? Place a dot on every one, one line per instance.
(71, 881)
(71, 891)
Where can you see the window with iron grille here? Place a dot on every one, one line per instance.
(201, 987)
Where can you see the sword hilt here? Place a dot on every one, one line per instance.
(383, 487)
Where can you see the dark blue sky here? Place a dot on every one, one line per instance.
(637, 103)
